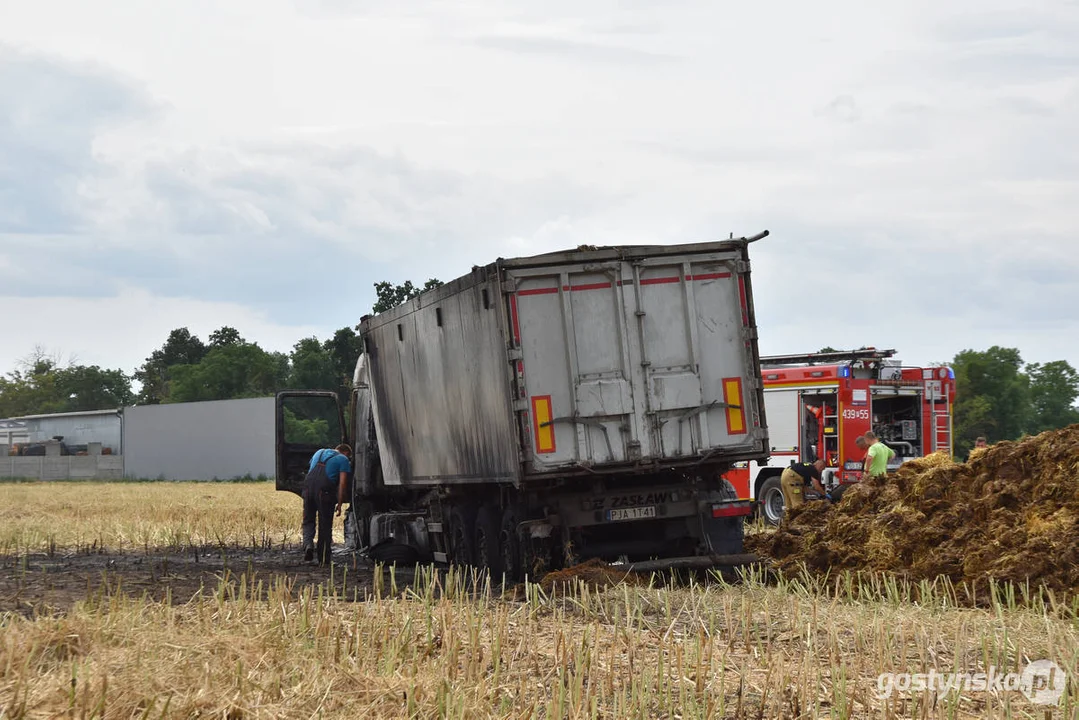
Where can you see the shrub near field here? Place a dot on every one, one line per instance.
(255, 645)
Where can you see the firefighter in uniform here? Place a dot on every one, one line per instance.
(794, 480)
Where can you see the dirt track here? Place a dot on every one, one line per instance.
(44, 583)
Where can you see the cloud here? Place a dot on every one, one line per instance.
(916, 163)
(50, 115)
(293, 227)
(567, 50)
(121, 330)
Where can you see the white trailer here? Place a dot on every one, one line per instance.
(547, 409)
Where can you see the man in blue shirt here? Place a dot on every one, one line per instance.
(326, 483)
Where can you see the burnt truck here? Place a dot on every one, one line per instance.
(545, 410)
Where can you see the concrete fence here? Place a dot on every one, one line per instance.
(70, 467)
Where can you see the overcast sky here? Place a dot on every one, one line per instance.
(261, 163)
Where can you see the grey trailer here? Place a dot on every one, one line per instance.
(543, 410)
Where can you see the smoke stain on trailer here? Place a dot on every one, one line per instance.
(443, 425)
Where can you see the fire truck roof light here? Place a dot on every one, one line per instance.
(844, 371)
(951, 374)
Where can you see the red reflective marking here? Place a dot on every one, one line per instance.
(587, 286)
(710, 276)
(516, 322)
(538, 291)
(734, 414)
(659, 281)
(731, 510)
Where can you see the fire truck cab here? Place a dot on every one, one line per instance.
(818, 404)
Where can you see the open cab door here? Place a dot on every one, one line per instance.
(306, 421)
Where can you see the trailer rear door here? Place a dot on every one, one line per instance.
(651, 358)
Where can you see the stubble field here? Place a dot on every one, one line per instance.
(191, 600)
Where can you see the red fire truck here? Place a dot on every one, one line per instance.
(817, 404)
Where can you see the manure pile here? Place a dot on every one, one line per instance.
(594, 573)
(1011, 513)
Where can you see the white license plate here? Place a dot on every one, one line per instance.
(633, 513)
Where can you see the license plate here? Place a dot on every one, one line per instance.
(633, 513)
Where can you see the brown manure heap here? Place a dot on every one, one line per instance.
(595, 574)
(1009, 514)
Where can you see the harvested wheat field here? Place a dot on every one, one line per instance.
(263, 636)
(1010, 514)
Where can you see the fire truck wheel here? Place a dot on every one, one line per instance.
(770, 501)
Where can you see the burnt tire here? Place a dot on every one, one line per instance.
(485, 541)
(509, 547)
(462, 549)
(770, 502)
(394, 554)
(725, 535)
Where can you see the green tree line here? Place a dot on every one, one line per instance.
(999, 396)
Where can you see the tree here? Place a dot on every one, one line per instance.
(390, 295)
(312, 367)
(827, 349)
(309, 432)
(228, 371)
(993, 396)
(93, 388)
(180, 348)
(345, 349)
(31, 389)
(1054, 387)
(225, 336)
(41, 386)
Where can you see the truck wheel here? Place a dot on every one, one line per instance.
(462, 519)
(509, 547)
(770, 501)
(486, 542)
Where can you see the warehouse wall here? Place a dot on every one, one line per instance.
(220, 439)
(78, 429)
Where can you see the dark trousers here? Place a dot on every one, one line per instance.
(319, 505)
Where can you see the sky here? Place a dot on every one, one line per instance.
(262, 164)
